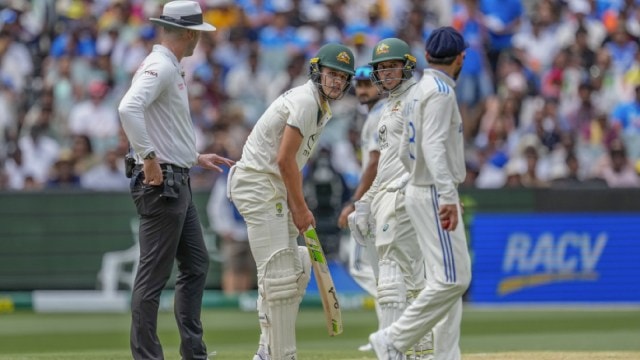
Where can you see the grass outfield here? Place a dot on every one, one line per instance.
(486, 334)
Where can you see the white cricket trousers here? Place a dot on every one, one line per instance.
(262, 200)
(448, 277)
(396, 238)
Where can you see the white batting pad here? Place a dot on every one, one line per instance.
(303, 280)
(392, 292)
(281, 275)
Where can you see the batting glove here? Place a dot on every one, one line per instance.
(360, 238)
(364, 221)
(399, 184)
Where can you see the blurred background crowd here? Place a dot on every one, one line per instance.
(549, 93)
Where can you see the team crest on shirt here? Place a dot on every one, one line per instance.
(279, 209)
(344, 57)
(382, 49)
(397, 106)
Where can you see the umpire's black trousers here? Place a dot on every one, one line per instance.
(169, 229)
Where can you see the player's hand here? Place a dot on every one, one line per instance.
(363, 220)
(342, 219)
(399, 184)
(302, 219)
(211, 161)
(448, 215)
(152, 172)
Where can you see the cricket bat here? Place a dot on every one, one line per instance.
(326, 287)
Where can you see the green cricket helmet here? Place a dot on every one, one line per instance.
(392, 49)
(334, 56)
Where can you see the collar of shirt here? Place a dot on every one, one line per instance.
(406, 84)
(441, 75)
(165, 51)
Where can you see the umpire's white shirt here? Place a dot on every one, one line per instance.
(432, 145)
(155, 111)
(299, 107)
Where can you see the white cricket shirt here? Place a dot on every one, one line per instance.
(155, 111)
(390, 129)
(369, 132)
(299, 107)
(433, 145)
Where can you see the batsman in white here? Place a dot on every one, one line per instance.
(380, 214)
(363, 260)
(432, 148)
(266, 187)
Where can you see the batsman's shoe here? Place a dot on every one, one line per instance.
(365, 347)
(262, 353)
(383, 348)
(423, 350)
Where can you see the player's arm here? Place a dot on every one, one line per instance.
(366, 180)
(435, 130)
(292, 178)
(150, 81)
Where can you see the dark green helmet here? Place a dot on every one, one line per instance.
(394, 49)
(335, 56)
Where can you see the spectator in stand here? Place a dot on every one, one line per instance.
(475, 84)
(252, 97)
(62, 175)
(531, 177)
(106, 176)
(616, 168)
(96, 117)
(577, 16)
(626, 116)
(82, 154)
(239, 269)
(14, 168)
(502, 18)
(39, 151)
(15, 59)
(583, 110)
(622, 47)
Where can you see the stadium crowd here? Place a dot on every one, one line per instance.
(549, 93)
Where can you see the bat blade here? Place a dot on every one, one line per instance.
(324, 280)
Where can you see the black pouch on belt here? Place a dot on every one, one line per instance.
(129, 164)
(170, 189)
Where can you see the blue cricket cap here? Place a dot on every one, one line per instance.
(363, 73)
(445, 42)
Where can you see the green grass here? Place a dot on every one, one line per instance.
(233, 334)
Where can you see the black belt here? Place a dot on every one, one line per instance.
(174, 168)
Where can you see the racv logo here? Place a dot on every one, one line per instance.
(550, 258)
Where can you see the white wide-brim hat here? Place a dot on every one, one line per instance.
(184, 14)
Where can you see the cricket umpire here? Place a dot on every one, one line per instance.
(155, 116)
(432, 149)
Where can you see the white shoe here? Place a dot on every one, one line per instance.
(365, 347)
(383, 348)
(262, 353)
(423, 350)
